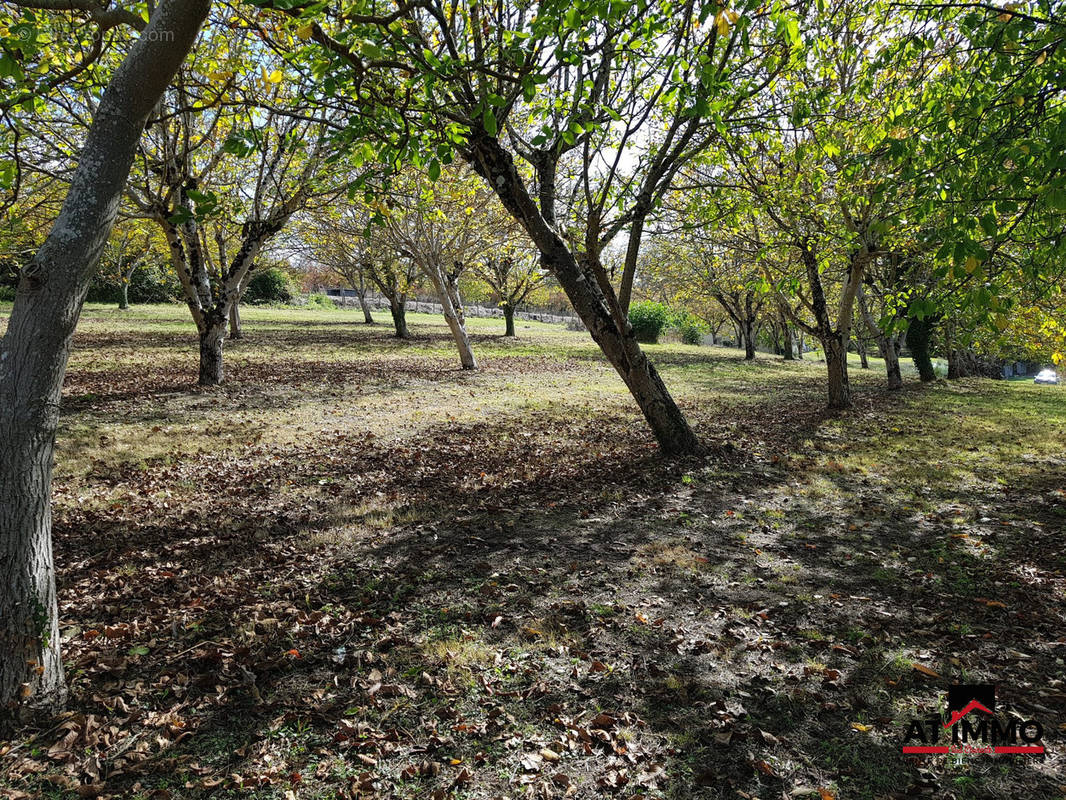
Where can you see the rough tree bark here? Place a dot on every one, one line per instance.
(36, 348)
(836, 363)
(212, 335)
(398, 308)
(508, 318)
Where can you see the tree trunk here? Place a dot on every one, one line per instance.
(235, 331)
(508, 317)
(800, 343)
(614, 337)
(788, 340)
(398, 309)
(836, 363)
(452, 308)
(888, 345)
(124, 301)
(919, 336)
(453, 315)
(462, 341)
(367, 318)
(954, 364)
(749, 339)
(860, 345)
(211, 337)
(36, 348)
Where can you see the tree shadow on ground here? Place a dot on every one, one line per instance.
(541, 604)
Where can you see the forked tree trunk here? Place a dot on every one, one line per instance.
(616, 340)
(887, 344)
(452, 308)
(36, 347)
(212, 335)
(453, 315)
(836, 364)
(398, 309)
(508, 318)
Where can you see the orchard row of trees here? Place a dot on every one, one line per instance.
(894, 168)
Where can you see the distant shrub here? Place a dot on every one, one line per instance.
(649, 320)
(151, 282)
(270, 285)
(689, 328)
(7, 293)
(320, 301)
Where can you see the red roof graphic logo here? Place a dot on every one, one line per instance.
(973, 705)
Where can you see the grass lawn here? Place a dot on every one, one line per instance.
(356, 571)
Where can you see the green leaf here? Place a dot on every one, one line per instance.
(370, 50)
(434, 170)
(488, 119)
(1056, 198)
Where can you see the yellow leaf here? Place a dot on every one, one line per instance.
(860, 727)
(275, 76)
(1057, 358)
(1019, 100)
(971, 264)
(722, 22)
(1040, 59)
(305, 31)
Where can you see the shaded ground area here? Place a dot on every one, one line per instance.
(355, 571)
